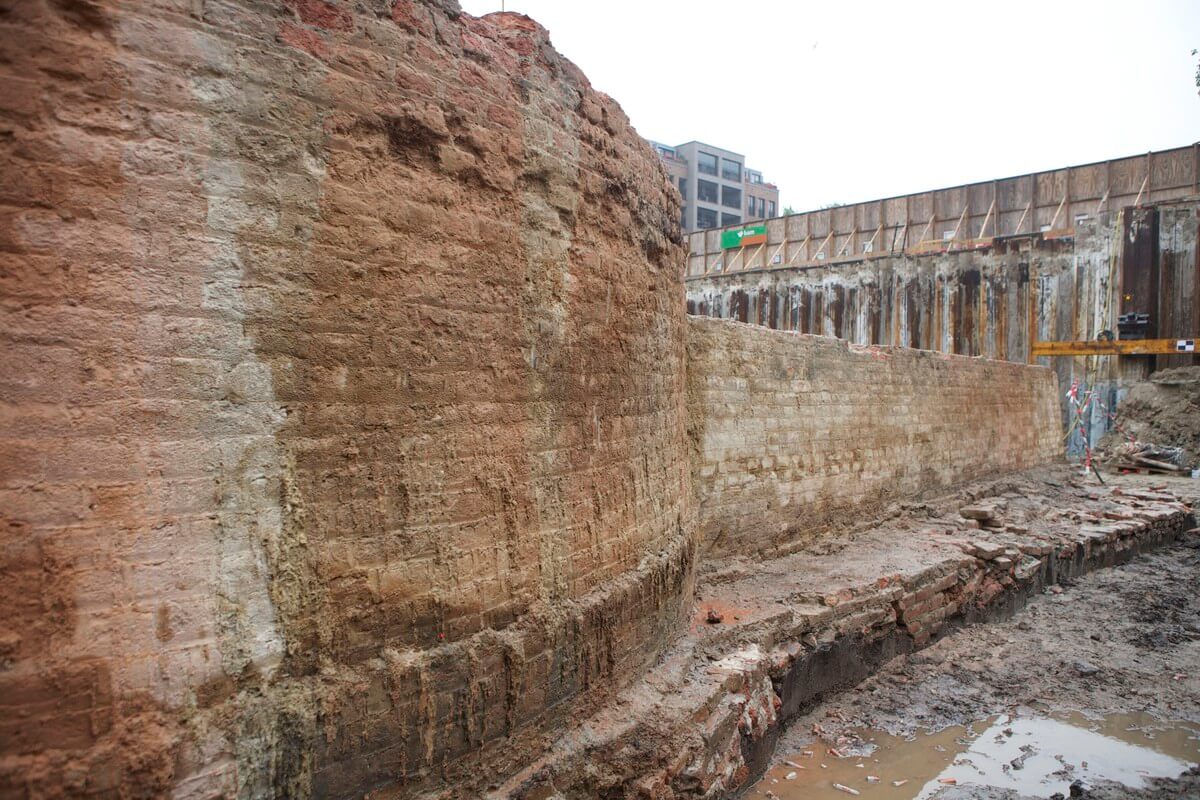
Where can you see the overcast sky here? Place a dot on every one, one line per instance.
(844, 101)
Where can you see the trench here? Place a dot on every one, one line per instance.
(843, 663)
(1030, 753)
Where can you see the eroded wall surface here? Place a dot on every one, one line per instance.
(343, 422)
(798, 435)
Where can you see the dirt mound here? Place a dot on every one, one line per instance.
(1165, 411)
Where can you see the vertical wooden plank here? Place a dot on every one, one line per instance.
(879, 226)
(907, 220)
(1139, 267)
(937, 332)
(1107, 184)
(1149, 177)
(807, 237)
(1033, 206)
(1068, 219)
(898, 321)
(1178, 292)
(1168, 294)
(1032, 293)
(1196, 168)
(1140, 275)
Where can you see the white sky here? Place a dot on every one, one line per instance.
(850, 100)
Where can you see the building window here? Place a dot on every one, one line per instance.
(706, 163)
(772, 209)
(706, 191)
(705, 218)
(753, 176)
(683, 218)
(731, 170)
(665, 151)
(683, 186)
(730, 197)
(730, 219)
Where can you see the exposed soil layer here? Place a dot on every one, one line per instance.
(1125, 640)
(1164, 410)
(770, 640)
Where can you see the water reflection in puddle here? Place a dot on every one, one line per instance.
(1030, 755)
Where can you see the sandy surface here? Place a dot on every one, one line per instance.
(1137, 626)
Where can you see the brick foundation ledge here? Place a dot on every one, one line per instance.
(409, 723)
(463, 714)
(704, 722)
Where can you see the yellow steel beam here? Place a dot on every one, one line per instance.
(1131, 347)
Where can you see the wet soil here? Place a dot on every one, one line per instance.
(1122, 641)
(1022, 755)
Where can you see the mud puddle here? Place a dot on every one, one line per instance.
(1032, 755)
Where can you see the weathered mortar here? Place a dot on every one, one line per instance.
(797, 434)
(344, 424)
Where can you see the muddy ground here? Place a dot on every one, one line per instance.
(1120, 640)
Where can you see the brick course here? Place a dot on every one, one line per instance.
(796, 435)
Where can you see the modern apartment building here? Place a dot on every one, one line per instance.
(716, 187)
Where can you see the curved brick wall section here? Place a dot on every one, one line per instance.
(343, 440)
(797, 435)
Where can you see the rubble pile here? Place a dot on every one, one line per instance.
(1159, 419)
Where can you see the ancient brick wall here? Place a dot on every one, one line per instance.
(343, 423)
(797, 435)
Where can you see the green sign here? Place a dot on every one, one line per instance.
(740, 237)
